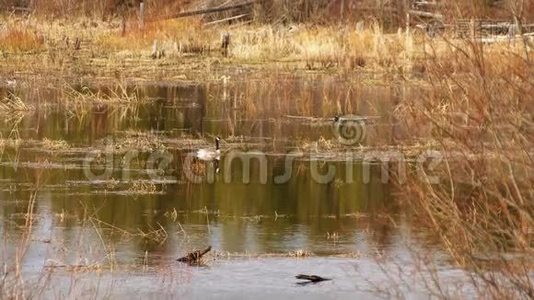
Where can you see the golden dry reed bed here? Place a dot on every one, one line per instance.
(479, 102)
(89, 47)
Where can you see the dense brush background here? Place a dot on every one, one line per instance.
(388, 12)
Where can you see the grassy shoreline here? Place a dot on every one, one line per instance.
(90, 48)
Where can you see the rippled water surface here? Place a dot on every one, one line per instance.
(104, 171)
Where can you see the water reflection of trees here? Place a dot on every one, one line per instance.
(242, 216)
(255, 107)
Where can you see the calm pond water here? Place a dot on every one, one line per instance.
(108, 170)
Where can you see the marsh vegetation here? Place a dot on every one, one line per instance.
(432, 196)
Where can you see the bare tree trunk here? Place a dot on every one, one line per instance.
(141, 15)
(123, 23)
(380, 9)
(402, 10)
(306, 10)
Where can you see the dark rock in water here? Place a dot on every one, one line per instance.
(311, 278)
(194, 257)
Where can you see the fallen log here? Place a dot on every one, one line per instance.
(425, 14)
(226, 19)
(211, 10)
(504, 38)
(21, 8)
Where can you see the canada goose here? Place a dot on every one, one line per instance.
(208, 154)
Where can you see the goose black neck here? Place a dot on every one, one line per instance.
(216, 144)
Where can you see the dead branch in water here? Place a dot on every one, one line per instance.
(194, 257)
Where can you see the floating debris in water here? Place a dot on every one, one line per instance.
(194, 258)
(310, 279)
(299, 253)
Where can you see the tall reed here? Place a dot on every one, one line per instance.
(478, 105)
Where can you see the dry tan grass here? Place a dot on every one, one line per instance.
(187, 44)
(482, 209)
(21, 40)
